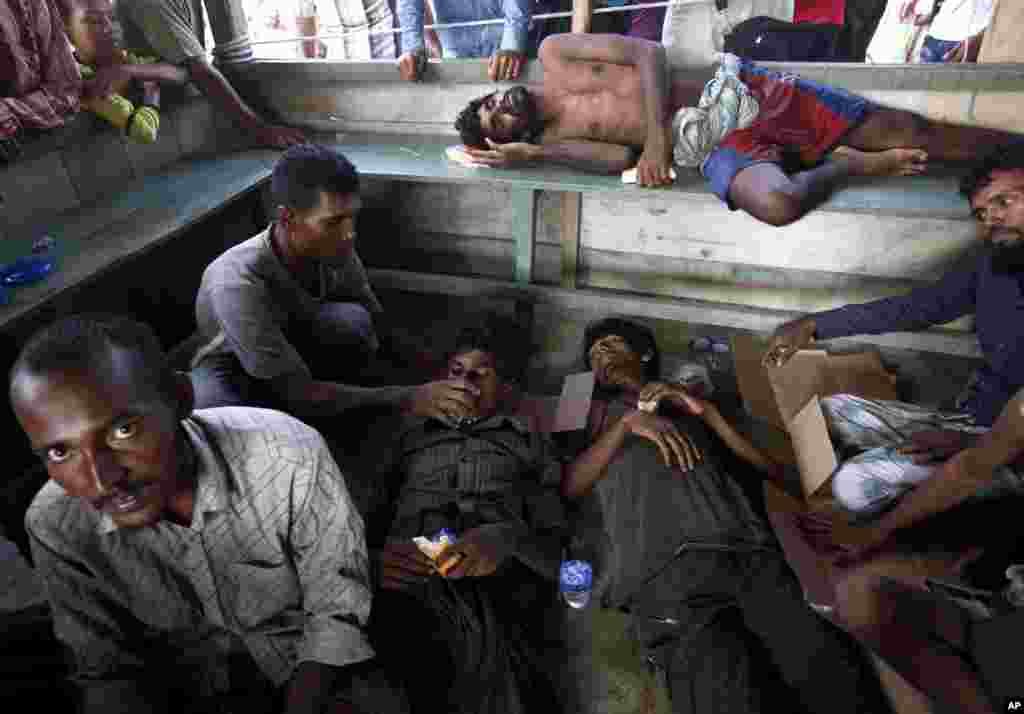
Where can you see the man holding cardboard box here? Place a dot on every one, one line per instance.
(901, 436)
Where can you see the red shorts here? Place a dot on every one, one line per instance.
(796, 116)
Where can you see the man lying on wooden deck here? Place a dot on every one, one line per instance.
(759, 137)
(713, 602)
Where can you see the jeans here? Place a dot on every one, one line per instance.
(334, 345)
(933, 50)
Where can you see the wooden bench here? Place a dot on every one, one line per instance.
(421, 159)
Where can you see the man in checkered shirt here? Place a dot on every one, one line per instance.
(206, 561)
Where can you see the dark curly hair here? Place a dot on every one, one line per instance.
(1006, 158)
(471, 131)
(502, 337)
(639, 338)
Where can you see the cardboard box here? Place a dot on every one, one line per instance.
(789, 397)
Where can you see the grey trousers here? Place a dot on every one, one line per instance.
(342, 335)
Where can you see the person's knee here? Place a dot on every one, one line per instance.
(342, 324)
(856, 491)
(777, 208)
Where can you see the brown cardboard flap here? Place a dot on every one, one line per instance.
(815, 458)
(755, 388)
(862, 374)
(797, 381)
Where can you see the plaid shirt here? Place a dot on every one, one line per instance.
(39, 77)
(495, 471)
(275, 555)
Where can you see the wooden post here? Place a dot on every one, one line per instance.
(571, 201)
(524, 203)
(570, 237)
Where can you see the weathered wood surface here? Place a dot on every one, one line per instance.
(100, 236)
(884, 246)
(422, 159)
(697, 312)
(469, 230)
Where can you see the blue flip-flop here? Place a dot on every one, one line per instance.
(25, 270)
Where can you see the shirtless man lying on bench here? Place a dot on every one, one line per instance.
(608, 103)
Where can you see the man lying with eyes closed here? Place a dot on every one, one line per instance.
(195, 561)
(714, 606)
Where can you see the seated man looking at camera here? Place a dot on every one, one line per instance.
(194, 561)
(287, 317)
(469, 631)
(759, 137)
(898, 440)
(694, 559)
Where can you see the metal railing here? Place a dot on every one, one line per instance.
(473, 23)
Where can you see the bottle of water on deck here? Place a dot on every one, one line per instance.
(575, 581)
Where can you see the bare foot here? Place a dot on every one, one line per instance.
(891, 162)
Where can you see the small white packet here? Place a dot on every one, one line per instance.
(629, 175)
(457, 154)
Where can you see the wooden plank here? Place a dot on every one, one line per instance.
(570, 235)
(733, 283)
(524, 202)
(283, 77)
(162, 207)
(690, 311)
(405, 157)
(887, 246)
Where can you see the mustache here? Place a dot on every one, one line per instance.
(120, 490)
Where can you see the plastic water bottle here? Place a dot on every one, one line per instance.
(575, 581)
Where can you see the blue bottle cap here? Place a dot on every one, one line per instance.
(446, 536)
(575, 575)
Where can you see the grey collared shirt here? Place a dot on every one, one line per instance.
(248, 300)
(494, 471)
(275, 555)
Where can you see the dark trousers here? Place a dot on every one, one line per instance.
(490, 645)
(731, 633)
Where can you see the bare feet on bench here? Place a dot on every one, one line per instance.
(891, 162)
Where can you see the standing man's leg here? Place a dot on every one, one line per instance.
(815, 658)
(922, 637)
